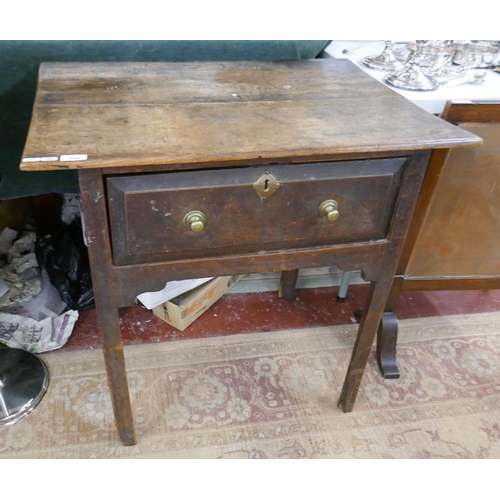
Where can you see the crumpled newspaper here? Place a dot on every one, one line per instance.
(22, 278)
(30, 307)
(71, 208)
(21, 274)
(36, 336)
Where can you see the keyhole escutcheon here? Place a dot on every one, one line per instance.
(266, 185)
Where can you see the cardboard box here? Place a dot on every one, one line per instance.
(181, 311)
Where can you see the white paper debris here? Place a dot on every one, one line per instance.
(72, 206)
(3, 287)
(23, 245)
(7, 236)
(36, 336)
(29, 320)
(173, 288)
(22, 278)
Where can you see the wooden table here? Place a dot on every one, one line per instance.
(204, 169)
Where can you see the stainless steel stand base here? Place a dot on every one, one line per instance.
(412, 80)
(24, 380)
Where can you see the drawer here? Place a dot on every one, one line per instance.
(193, 214)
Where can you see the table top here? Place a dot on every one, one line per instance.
(100, 115)
(432, 101)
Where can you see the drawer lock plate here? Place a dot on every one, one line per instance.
(266, 186)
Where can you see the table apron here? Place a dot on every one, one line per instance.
(133, 280)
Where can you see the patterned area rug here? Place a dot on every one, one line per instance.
(274, 395)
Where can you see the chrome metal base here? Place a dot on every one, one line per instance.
(412, 79)
(24, 380)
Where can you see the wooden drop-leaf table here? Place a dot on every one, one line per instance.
(190, 170)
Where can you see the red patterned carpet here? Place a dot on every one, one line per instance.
(273, 395)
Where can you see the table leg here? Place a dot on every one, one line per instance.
(370, 321)
(96, 222)
(109, 326)
(380, 290)
(288, 283)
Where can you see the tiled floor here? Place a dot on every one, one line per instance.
(264, 311)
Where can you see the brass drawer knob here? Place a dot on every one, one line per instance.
(329, 210)
(195, 220)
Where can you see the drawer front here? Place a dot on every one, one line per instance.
(194, 214)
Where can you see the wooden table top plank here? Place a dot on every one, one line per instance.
(135, 114)
(160, 83)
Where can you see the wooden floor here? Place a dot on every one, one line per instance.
(264, 311)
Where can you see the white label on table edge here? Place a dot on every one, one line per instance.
(40, 158)
(74, 157)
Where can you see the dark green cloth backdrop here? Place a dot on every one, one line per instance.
(19, 62)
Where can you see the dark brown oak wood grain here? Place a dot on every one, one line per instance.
(344, 155)
(94, 206)
(237, 219)
(150, 113)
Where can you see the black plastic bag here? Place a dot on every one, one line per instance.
(65, 258)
